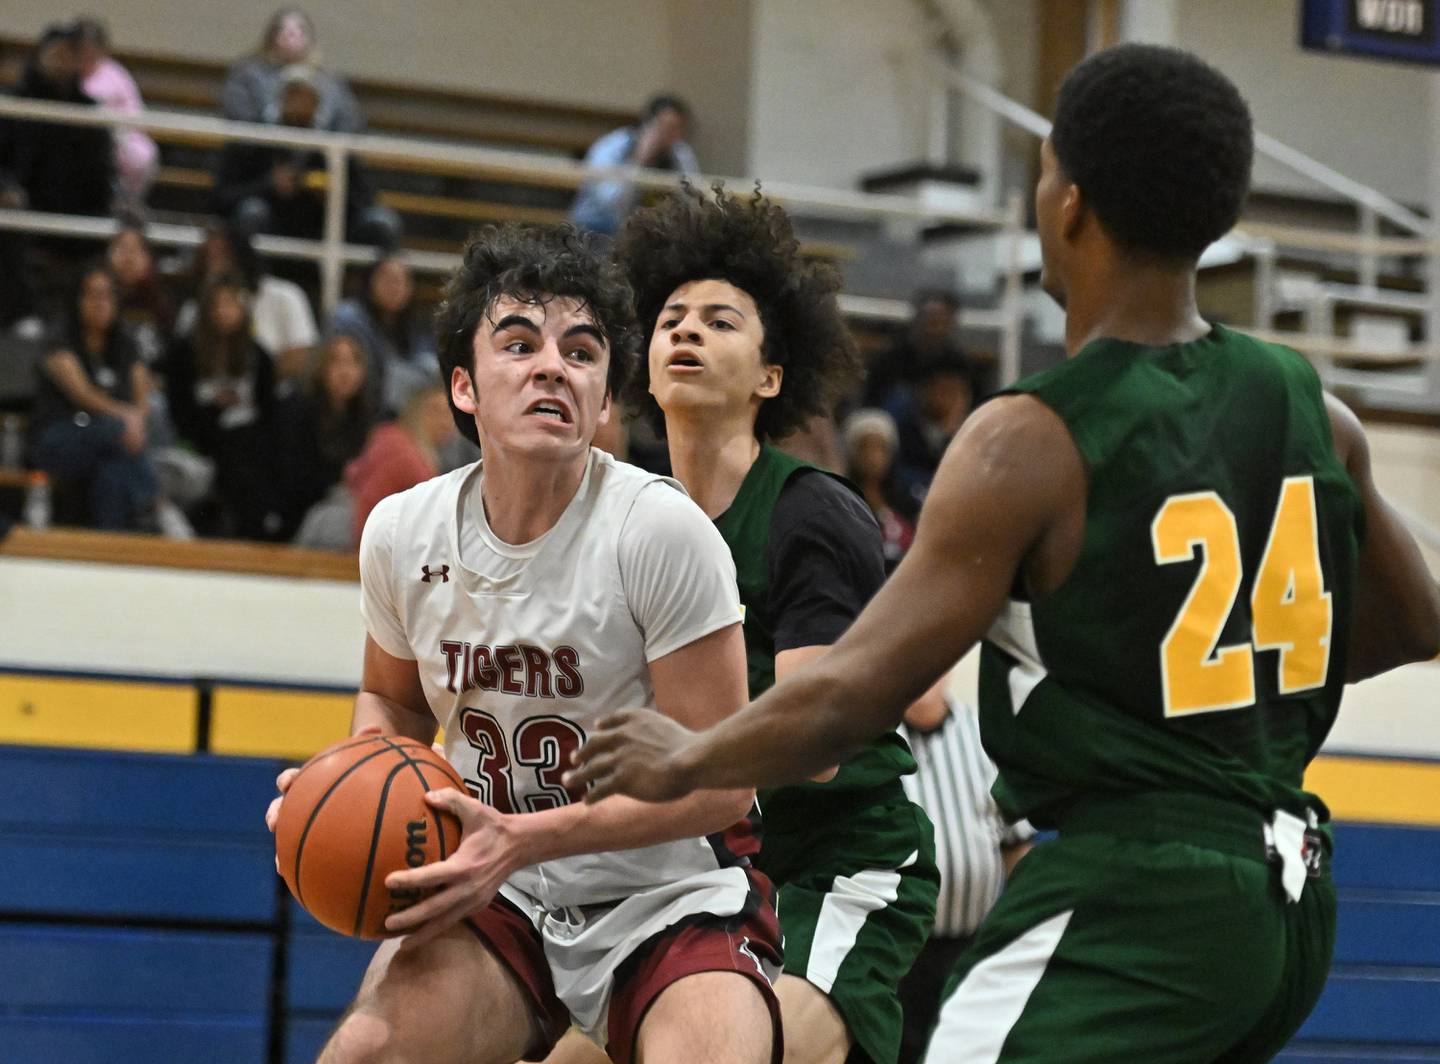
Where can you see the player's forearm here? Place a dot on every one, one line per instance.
(392, 718)
(621, 823)
(798, 729)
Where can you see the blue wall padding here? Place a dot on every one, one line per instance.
(1348, 1054)
(106, 969)
(1374, 928)
(90, 833)
(1387, 858)
(131, 1040)
(323, 969)
(304, 1038)
(1394, 1005)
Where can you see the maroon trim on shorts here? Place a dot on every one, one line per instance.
(702, 942)
(517, 945)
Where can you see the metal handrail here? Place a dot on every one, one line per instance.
(334, 254)
(1038, 125)
(494, 161)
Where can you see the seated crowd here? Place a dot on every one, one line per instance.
(198, 393)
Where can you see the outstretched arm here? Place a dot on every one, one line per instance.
(1396, 617)
(1006, 480)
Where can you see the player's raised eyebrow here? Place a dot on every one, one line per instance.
(585, 329)
(708, 306)
(511, 321)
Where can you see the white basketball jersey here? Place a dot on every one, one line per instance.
(521, 648)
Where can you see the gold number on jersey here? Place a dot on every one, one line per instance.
(1196, 674)
(1289, 606)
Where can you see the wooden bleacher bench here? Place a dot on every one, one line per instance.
(212, 555)
(172, 81)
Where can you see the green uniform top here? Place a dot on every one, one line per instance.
(816, 553)
(1199, 644)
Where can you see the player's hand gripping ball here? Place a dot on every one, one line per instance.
(355, 813)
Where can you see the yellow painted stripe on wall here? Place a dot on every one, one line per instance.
(289, 724)
(1377, 790)
(98, 714)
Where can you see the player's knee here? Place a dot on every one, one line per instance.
(815, 1032)
(371, 1037)
(709, 1018)
(361, 1038)
(388, 1027)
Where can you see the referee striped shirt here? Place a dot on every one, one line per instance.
(952, 784)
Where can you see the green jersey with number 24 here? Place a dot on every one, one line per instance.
(1199, 643)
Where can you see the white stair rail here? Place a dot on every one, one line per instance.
(1368, 246)
(331, 251)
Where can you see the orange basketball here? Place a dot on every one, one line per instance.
(356, 813)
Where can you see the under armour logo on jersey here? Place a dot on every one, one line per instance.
(443, 573)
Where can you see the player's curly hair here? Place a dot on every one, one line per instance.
(535, 264)
(748, 242)
(1160, 144)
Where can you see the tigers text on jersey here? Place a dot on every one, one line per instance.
(521, 648)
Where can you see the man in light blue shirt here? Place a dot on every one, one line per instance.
(657, 142)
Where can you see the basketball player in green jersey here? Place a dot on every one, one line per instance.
(746, 344)
(1178, 553)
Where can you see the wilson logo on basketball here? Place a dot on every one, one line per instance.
(415, 843)
(443, 573)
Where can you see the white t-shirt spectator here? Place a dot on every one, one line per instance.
(280, 317)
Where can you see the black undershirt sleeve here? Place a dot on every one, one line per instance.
(825, 560)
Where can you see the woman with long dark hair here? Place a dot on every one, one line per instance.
(146, 307)
(280, 314)
(318, 430)
(221, 386)
(88, 420)
(398, 342)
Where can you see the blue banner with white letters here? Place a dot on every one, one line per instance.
(1403, 30)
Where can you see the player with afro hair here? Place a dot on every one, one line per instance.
(748, 242)
(746, 344)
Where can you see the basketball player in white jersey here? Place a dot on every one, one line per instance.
(515, 601)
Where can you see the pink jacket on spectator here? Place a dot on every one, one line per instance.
(136, 155)
(391, 462)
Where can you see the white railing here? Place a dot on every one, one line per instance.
(1264, 242)
(333, 253)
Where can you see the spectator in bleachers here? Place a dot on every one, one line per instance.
(145, 304)
(931, 334)
(871, 440)
(265, 188)
(928, 414)
(398, 342)
(280, 314)
(401, 453)
(319, 430)
(221, 387)
(48, 166)
(88, 418)
(148, 313)
(110, 85)
(658, 142)
(251, 92)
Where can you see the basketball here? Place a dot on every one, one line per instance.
(355, 814)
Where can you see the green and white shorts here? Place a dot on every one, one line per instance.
(857, 896)
(1142, 934)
